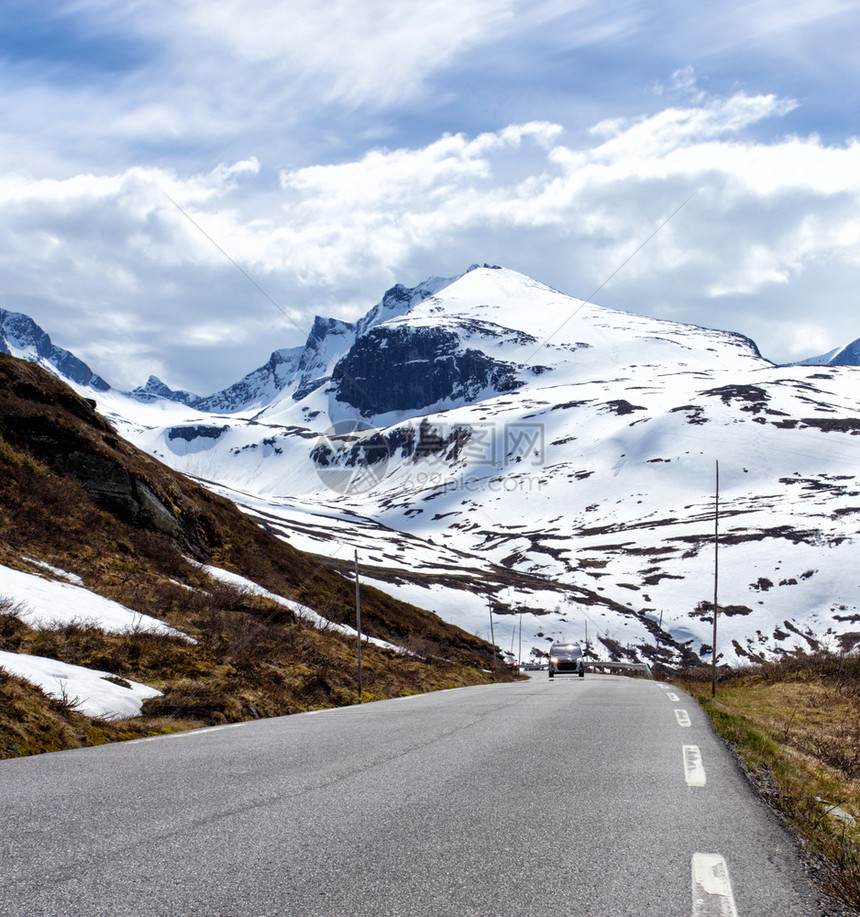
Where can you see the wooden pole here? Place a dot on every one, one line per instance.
(358, 623)
(716, 579)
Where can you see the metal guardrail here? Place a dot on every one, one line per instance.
(598, 664)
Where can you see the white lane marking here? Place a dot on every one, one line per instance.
(682, 717)
(694, 770)
(202, 732)
(673, 697)
(184, 734)
(712, 890)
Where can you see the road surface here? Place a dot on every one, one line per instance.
(604, 796)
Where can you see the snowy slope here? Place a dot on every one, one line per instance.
(53, 598)
(849, 355)
(43, 601)
(301, 611)
(519, 449)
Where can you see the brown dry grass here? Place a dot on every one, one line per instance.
(252, 657)
(796, 724)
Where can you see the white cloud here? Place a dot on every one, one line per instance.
(391, 203)
(115, 272)
(204, 81)
(372, 52)
(766, 21)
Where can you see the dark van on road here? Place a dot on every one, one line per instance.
(566, 659)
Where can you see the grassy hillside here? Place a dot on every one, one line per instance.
(74, 495)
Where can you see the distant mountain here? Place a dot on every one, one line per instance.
(849, 355)
(328, 341)
(155, 389)
(500, 442)
(256, 389)
(21, 337)
(298, 371)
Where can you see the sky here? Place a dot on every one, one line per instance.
(184, 185)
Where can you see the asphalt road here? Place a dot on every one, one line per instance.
(571, 796)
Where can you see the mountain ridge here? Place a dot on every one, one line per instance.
(21, 336)
(303, 368)
(489, 440)
(847, 355)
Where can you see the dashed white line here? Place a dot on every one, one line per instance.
(673, 697)
(712, 889)
(694, 770)
(682, 717)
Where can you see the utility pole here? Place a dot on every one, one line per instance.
(716, 579)
(358, 623)
(520, 653)
(492, 632)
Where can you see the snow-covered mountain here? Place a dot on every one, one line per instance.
(487, 440)
(849, 355)
(21, 337)
(298, 370)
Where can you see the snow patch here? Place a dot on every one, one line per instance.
(302, 611)
(88, 689)
(44, 603)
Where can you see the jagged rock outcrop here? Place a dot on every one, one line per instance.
(21, 337)
(329, 339)
(259, 387)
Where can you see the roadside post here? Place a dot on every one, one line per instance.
(358, 622)
(716, 573)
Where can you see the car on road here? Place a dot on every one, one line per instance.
(566, 659)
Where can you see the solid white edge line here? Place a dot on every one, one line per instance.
(184, 734)
(682, 717)
(712, 889)
(694, 770)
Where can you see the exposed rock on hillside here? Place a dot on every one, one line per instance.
(406, 369)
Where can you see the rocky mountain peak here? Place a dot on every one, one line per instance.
(155, 388)
(21, 337)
